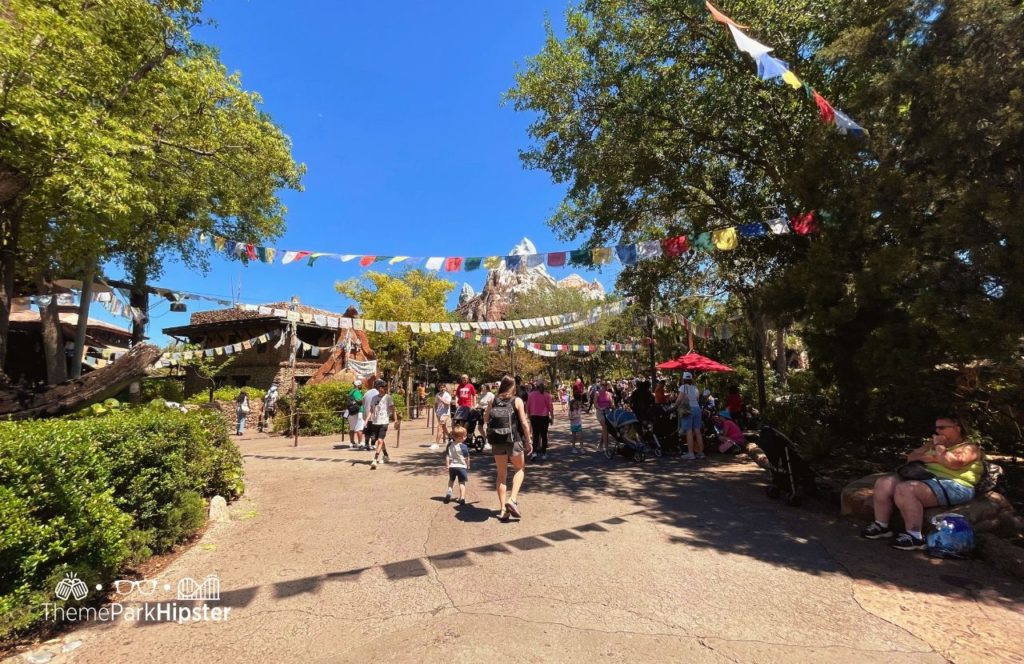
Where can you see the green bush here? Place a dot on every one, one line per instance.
(322, 409)
(89, 495)
(168, 389)
(226, 393)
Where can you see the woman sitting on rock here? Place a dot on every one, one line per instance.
(955, 466)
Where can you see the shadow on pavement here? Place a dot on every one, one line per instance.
(413, 567)
(721, 505)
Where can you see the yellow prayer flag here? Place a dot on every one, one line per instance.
(492, 262)
(794, 82)
(725, 239)
(601, 255)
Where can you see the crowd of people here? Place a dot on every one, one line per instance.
(513, 416)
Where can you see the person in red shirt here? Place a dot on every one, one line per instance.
(465, 393)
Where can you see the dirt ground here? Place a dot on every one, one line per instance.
(325, 560)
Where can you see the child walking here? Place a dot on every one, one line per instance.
(576, 425)
(456, 460)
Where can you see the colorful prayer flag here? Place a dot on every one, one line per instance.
(825, 110)
(453, 264)
(791, 79)
(674, 247)
(473, 263)
(556, 259)
(601, 255)
(435, 262)
(750, 46)
(366, 261)
(805, 223)
(725, 238)
(769, 67)
(626, 253)
(492, 262)
(720, 17)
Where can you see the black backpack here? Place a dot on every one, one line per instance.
(353, 406)
(503, 423)
(991, 477)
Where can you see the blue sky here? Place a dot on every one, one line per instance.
(395, 108)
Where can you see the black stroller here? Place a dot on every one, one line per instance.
(790, 475)
(473, 420)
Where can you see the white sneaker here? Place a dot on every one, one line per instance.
(690, 456)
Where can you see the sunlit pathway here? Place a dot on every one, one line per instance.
(326, 560)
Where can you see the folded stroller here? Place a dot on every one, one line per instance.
(790, 475)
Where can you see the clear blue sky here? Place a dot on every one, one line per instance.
(395, 108)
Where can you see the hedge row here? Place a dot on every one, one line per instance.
(91, 495)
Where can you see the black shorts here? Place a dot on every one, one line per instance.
(460, 474)
(507, 449)
(377, 431)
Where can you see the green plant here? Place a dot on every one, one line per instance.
(227, 393)
(167, 388)
(89, 495)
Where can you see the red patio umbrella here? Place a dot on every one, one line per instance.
(693, 362)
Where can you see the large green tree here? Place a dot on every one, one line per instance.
(658, 125)
(414, 296)
(122, 138)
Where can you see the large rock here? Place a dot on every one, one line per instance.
(989, 513)
(504, 285)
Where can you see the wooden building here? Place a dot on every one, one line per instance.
(266, 363)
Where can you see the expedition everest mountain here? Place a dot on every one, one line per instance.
(503, 286)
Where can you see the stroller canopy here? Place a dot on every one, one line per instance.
(693, 362)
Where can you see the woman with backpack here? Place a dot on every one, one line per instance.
(508, 432)
(241, 411)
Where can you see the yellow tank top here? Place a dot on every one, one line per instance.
(968, 475)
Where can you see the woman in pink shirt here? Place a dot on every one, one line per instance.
(542, 412)
(604, 402)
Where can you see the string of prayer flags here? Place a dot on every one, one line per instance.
(770, 68)
(723, 239)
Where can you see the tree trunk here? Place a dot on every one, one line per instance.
(139, 299)
(8, 263)
(53, 337)
(83, 321)
(780, 353)
(80, 392)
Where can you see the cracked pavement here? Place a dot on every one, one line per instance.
(666, 561)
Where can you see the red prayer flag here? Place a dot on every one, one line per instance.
(250, 250)
(673, 247)
(453, 264)
(828, 114)
(556, 259)
(805, 223)
(720, 17)
(299, 255)
(367, 261)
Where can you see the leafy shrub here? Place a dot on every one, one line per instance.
(89, 495)
(226, 393)
(322, 409)
(168, 389)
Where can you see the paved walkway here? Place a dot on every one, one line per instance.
(668, 561)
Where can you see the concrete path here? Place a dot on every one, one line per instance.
(325, 560)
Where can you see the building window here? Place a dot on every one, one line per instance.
(301, 380)
(240, 381)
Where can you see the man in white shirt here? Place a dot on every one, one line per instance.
(369, 427)
(382, 409)
(443, 411)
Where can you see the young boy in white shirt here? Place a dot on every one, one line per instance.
(456, 461)
(380, 410)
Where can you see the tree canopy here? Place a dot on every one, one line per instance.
(658, 126)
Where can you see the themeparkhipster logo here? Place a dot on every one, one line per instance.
(131, 591)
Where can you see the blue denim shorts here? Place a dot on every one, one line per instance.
(958, 493)
(694, 421)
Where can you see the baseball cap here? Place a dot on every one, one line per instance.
(379, 383)
(687, 375)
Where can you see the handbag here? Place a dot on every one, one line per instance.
(915, 470)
